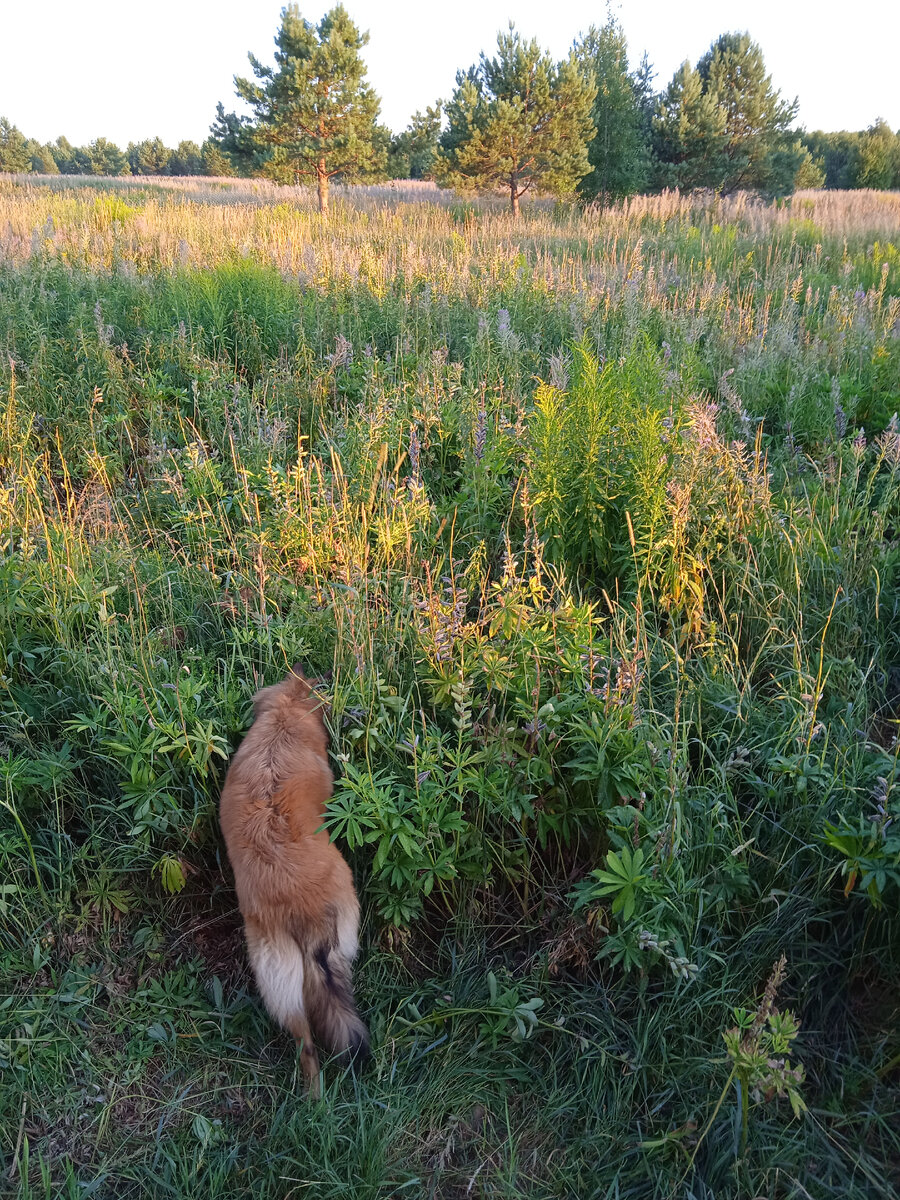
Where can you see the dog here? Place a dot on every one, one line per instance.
(294, 888)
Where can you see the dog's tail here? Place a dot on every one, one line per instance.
(328, 998)
(280, 970)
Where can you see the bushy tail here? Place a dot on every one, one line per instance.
(279, 967)
(328, 999)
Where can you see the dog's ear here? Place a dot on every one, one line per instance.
(315, 681)
(299, 683)
(318, 693)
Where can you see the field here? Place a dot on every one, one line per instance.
(594, 521)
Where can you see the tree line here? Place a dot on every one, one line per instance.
(103, 157)
(591, 126)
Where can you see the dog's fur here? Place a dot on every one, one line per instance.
(295, 891)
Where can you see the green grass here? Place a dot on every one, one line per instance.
(594, 521)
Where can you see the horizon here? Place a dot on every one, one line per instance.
(404, 80)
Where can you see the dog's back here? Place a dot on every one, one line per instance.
(294, 888)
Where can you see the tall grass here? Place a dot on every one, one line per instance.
(593, 519)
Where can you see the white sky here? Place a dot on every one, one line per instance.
(127, 70)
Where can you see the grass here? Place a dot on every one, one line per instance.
(593, 519)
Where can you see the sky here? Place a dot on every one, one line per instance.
(127, 71)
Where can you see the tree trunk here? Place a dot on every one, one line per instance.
(514, 201)
(322, 176)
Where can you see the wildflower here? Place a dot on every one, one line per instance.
(679, 496)
(480, 430)
(559, 371)
(343, 352)
(577, 321)
(859, 444)
(702, 415)
(534, 727)
(792, 449)
(881, 817)
(779, 970)
(457, 602)
(414, 480)
(738, 758)
(889, 442)
(104, 332)
(734, 403)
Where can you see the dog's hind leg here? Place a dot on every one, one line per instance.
(278, 969)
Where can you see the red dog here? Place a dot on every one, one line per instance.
(295, 891)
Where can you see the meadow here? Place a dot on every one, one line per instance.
(590, 524)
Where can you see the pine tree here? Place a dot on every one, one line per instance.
(642, 82)
(64, 153)
(413, 153)
(838, 154)
(518, 121)
(619, 151)
(14, 154)
(149, 157)
(688, 134)
(810, 174)
(234, 137)
(879, 157)
(758, 150)
(213, 161)
(41, 156)
(315, 110)
(186, 160)
(101, 157)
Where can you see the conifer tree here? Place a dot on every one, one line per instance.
(64, 153)
(619, 150)
(14, 154)
(810, 174)
(149, 157)
(413, 152)
(518, 122)
(688, 134)
(758, 151)
(214, 161)
(186, 159)
(879, 157)
(100, 157)
(724, 126)
(234, 137)
(315, 110)
(642, 82)
(838, 154)
(42, 160)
